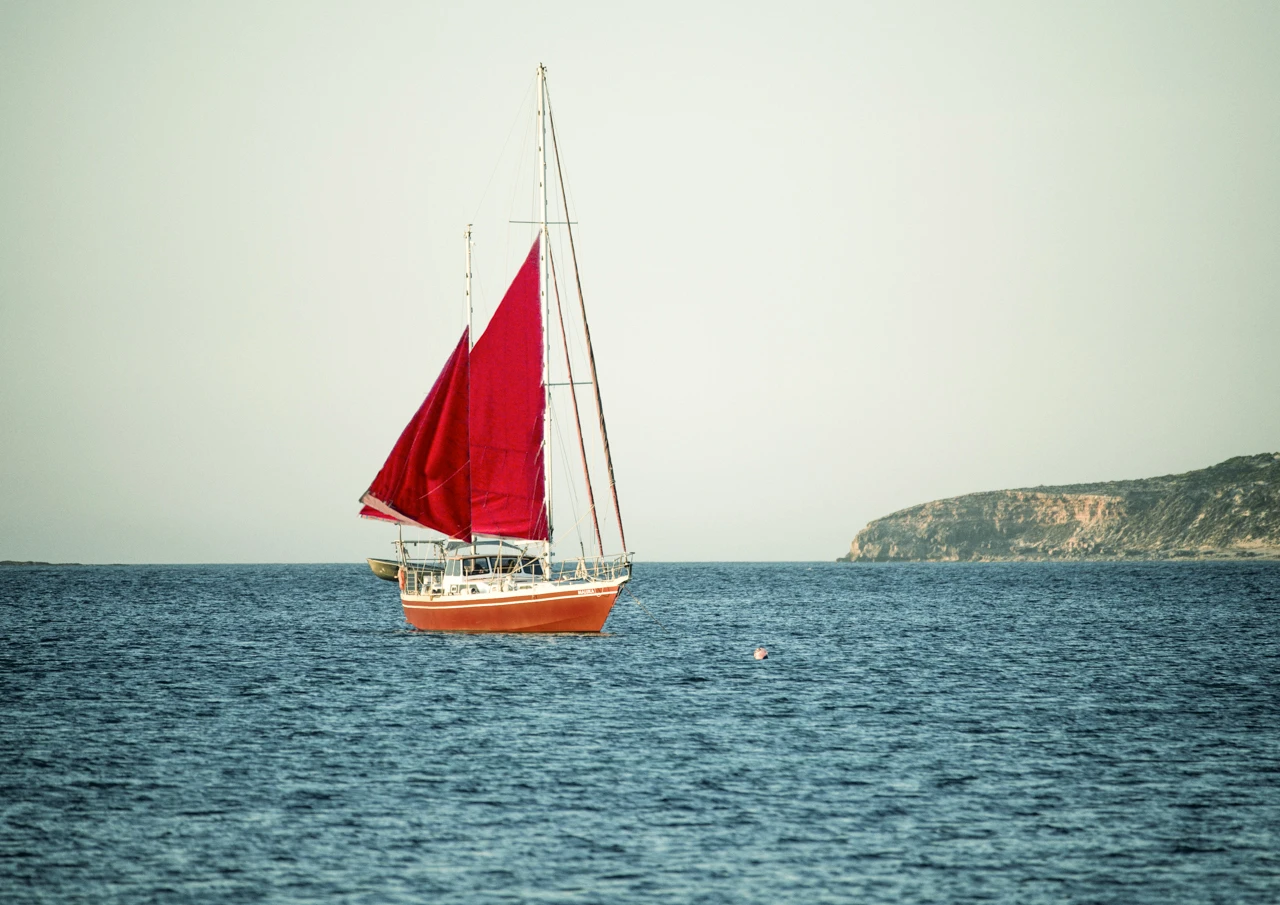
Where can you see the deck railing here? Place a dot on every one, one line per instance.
(428, 577)
(593, 568)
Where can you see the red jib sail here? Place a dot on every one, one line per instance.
(426, 480)
(507, 404)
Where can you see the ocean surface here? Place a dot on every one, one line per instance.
(919, 733)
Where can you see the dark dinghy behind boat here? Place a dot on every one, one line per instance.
(385, 568)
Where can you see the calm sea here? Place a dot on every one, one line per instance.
(954, 733)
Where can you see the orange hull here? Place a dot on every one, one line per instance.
(571, 609)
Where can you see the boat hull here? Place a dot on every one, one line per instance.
(572, 608)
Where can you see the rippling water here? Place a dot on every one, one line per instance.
(1016, 733)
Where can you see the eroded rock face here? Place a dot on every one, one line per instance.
(1228, 511)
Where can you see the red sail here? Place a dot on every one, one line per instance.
(426, 479)
(370, 512)
(508, 488)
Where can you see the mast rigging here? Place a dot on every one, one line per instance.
(586, 330)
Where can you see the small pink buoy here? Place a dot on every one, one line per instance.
(761, 653)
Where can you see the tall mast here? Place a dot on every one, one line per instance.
(546, 300)
(586, 332)
(470, 340)
(470, 333)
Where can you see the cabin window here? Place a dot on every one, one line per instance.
(506, 564)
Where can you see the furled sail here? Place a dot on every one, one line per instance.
(370, 512)
(426, 480)
(507, 404)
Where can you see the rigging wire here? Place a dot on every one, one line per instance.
(481, 296)
(567, 482)
(515, 188)
(591, 453)
(573, 396)
(520, 115)
(586, 333)
(646, 609)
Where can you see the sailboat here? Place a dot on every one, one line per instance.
(474, 464)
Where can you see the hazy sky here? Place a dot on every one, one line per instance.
(841, 258)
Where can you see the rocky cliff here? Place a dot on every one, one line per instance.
(1228, 511)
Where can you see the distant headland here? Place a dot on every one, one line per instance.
(1230, 511)
(32, 562)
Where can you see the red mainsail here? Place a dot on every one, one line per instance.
(507, 404)
(426, 480)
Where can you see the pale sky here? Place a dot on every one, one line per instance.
(840, 258)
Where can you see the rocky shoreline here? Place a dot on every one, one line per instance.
(1230, 511)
